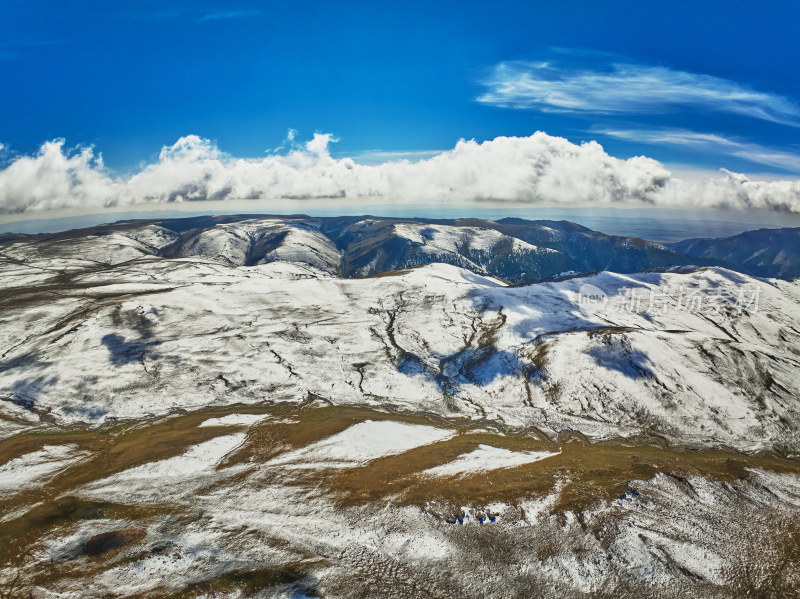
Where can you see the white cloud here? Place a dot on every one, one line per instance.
(734, 190)
(710, 142)
(54, 179)
(523, 170)
(318, 145)
(620, 88)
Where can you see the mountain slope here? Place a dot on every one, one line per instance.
(515, 250)
(258, 241)
(206, 407)
(764, 253)
(83, 344)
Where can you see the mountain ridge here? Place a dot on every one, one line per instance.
(762, 252)
(516, 250)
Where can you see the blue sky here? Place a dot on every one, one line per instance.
(129, 78)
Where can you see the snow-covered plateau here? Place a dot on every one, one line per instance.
(225, 414)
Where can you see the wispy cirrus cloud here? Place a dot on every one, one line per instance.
(11, 49)
(224, 15)
(710, 142)
(615, 88)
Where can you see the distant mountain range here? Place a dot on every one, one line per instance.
(763, 253)
(515, 250)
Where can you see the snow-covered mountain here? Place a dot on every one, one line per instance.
(287, 407)
(252, 310)
(514, 250)
(766, 252)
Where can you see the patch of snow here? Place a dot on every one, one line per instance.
(18, 513)
(173, 476)
(486, 457)
(36, 468)
(362, 443)
(235, 420)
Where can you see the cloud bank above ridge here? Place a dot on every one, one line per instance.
(538, 169)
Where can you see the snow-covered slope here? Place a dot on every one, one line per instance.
(258, 241)
(211, 409)
(335, 502)
(513, 249)
(474, 248)
(152, 335)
